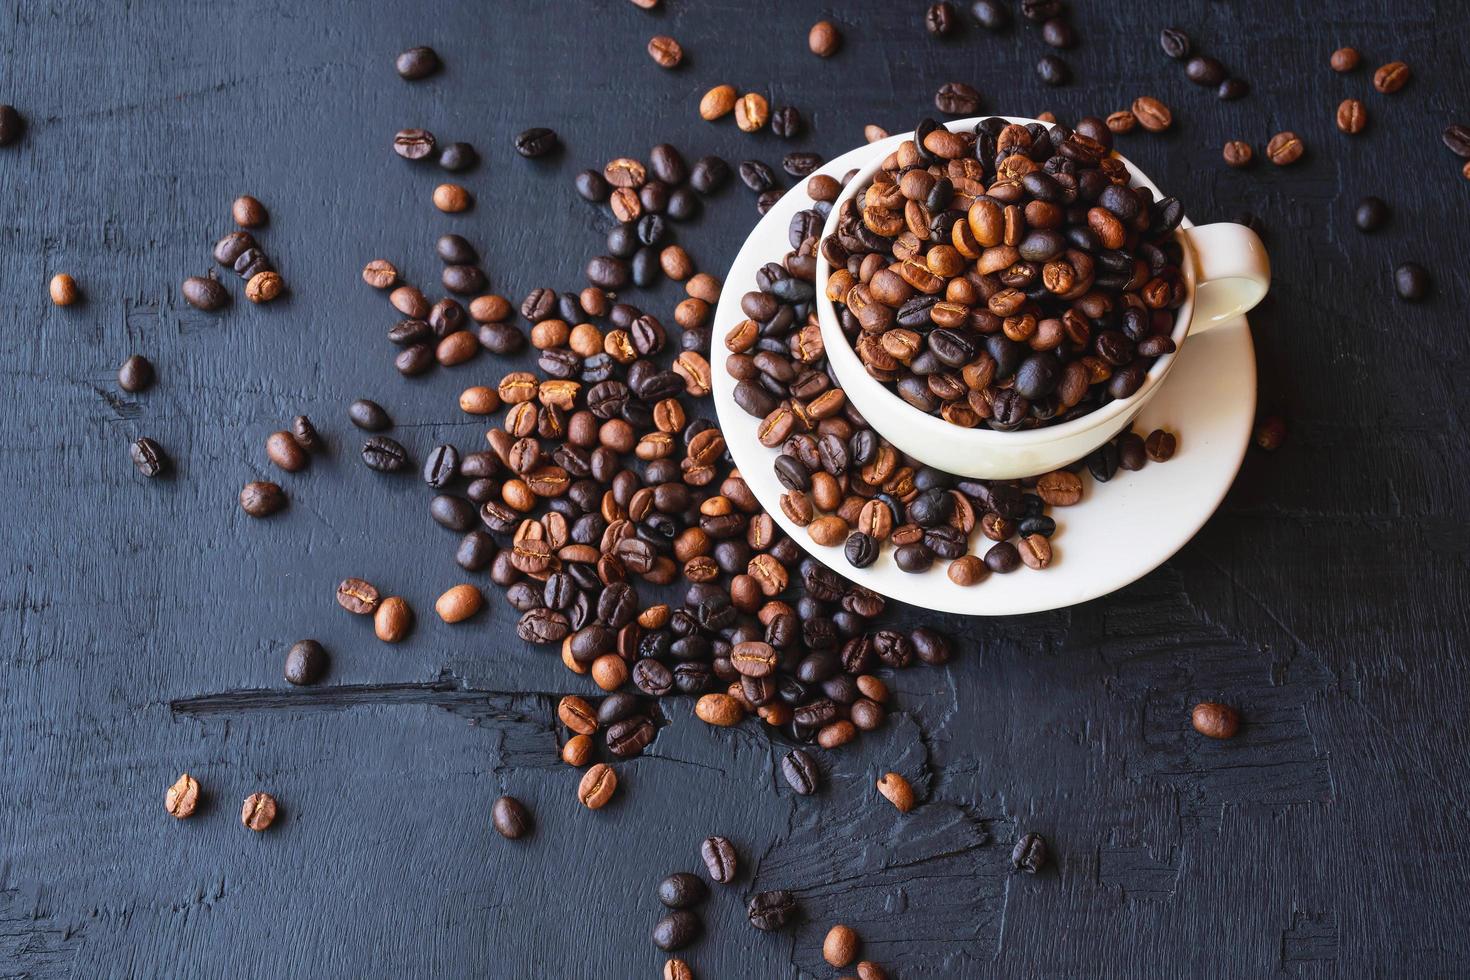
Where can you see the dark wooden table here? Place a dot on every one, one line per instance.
(145, 623)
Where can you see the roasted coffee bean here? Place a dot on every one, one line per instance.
(801, 164)
(896, 790)
(393, 619)
(476, 551)
(441, 467)
(597, 786)
(149, 457)
(1176, 43)
(665, 51)
(682, 890)
(1345, 59)
(1215, 720)
(1270, 433)
(1457, 138)
(1372, 213)
(1204, 70)
(413, 144)
(676, 930)
(12, 125)
(771, 911)
(1029, 854)
(1160, 445)
(1391, 77)
(630, 736)
(1411, 281)
(1352, 116)
(1053, 70)
(957, 99)
(1238, 153)
(261, 498)
(709, 174)
(536, 142)
(1284, 149)
(384, 455)
(306, 435)
(1059, 33)
(801, 772)
(135, 375)
(510, 818)
(417, 63)
(458, 157)
(720, 860)
(369, 416)
(182, 798)
(993, 15)
(1152, 114)
(283, 450)
(453, 512)
(306, 662)
(204, 293)
(357, 596)
(824, 39)
(786, 122)
(941, 19)
(259, 811)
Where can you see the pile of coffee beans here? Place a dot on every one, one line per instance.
(848, 486)
(1008, 277)
(446, 332)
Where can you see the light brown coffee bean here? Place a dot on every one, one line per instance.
(1059, 488)
(577, 751)
(597, 786)
(479, 400)
(577, 714)
(824, 39)
(868, 970)
(63, 289)
(828, 530)
(262, 498)
(393, 619)
(840, 946)
(677, 969)
(259, 811)
(1345, 59)
(1285, 148)
(283, 450)
(751, 112)
(1152, 114)
(897, 791)
(1035, 551)
(452, 198)
(264, 287)
(1352, 116)
(968, 570)
(1215, 720)
(380, 274)
(665, 51)
(248, 212)
(719, 709)
(459, 603)
(1121, 122)
(1391, 77)
(1238, 153)
(718, 101)
(182, 797)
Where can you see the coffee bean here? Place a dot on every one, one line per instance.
(676, 930)
(1152, 114)
(1215, 720)
(306, 662)
(993, 15)
(1270, 433)
(682, 890)
(442, 466)
(1035, 551)
(717, 103)
(182, 797)
(306, 435)
(824, 39)
(709, 174)
(417, 63)
(12, 125)
(941, 20)
(1121, 122)
(719, 709)
(786, 122)
(968, 570)
(957, 99)
(840, 945)
(1232, 89)
(1411, 281)
(1160, 445)
(1176, 43)
(384, 455)
(393, 619)
(452, 198)
(676, 969)
(1238, 153)
(135, 375)
(1204, 70)
(204, 293)
(357, 596)
(380, 274)
(536, 142)
(1457, 138)
(1029, 854)
(259, 811)
(801, 164)
(1284, 149)
(413, 144)
(597, 786)
(1372, 213)
(896, 790)
(1352, 116)
(751, 112)
(665, 51)
(459, 603)
(260, 498)
(1391, 77)
(1345, 59)
(1002, 558)
(1059, 33)
(458, 157)
(720, 860)
(801, 772)
(510, 818)
(283, 450)
(772, 910)
(1053, 70)
(63, 290)
(248, 212)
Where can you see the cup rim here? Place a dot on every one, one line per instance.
(846, 361)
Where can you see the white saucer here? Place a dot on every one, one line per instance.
(1122, 529)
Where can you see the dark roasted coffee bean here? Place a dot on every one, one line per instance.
(993, 15)
(861, 549)
(1457, 138)
(148, 456)
(592, 186)
(1204, 70)
(135, 375)
(510, 818)
(476, 551)
(1176, 43)
(368, 416)
(1059, 33)
(957, 99)
(261, 498)
(417, 63)
(1029, 854)
(458, 157)
(1372, 214)
(12, 125)
(941, 19)
(230, 247)
(1053, 70)
(384, 455)
(786, 122)
(630, 736)
(413, 144)
(204, 293)
(709, 174)
(772, 910)
(719, 856)
(536, 142)
(756, 175)
(1232, 89)
(1411, 281)
(453, 512)
(676, 930)
(306, 662)
(801, 164)
(441, 467)
(682, 890)
(801, 772)
(1003, 557)
(456, 250)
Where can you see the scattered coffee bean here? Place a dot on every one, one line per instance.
(458, 157)
(1176, 43)
(63, 290)
(510, 818)
(1121, 122)
(957, 99)
(1345, 59)
(393, 619)
(772, 910)
(717, 103)
(597, 786)
(1411, 281)
(1457, 138)
(182, 798)
(720, 860)
(1232, 89)
(261, 498)
(135, 375)
(1391, 77)
(248, 212)
(12, 125)
(414, 144)
(459, 603)
(283, 450)
(824, 39)
(941, 19)
(840, 946)
(1204, 70)
(896, 790)
(1059, 33)
(384, 455)
(259, 811)
(369, 416)
(148, 456)
(204, 293)
(1238, 153)
(1215, 720)
(1352, 116)
(801, 772)
(676, 930)
(452, 198)
(1284, 149)
(751, 112)
(665, 51)
(677, 969)
(682, 890)
(306, 662)
(380, 274)
(1052, 70)
(264, 287)
(1270, 433)
(1029, 854)
(1152, 114)
(993, 15)
(536, 142)
(417, 63)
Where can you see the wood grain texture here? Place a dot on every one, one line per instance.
(144, 624)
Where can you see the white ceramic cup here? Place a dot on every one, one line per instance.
(1226, 273)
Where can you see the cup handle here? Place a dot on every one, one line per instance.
(1232, 272)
